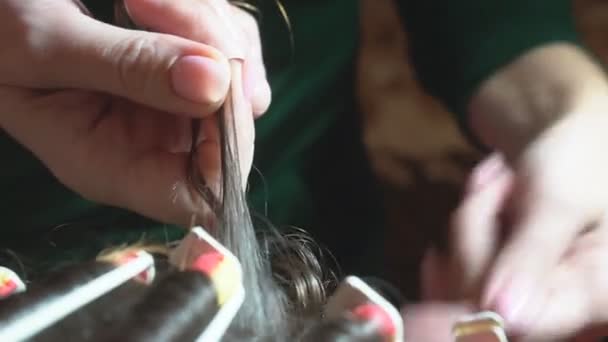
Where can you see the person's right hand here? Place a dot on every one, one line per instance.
(108, 110)
(449, 282)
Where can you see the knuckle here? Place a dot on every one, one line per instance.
(249, 23)
(246, 21)
(136, 60)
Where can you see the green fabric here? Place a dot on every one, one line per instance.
(313, 172)
(456, 44)
(312, 83)
(304, 143)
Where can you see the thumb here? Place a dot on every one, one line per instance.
(162, 71)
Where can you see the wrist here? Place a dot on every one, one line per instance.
(522, 101)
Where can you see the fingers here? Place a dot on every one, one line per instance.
(217, 23)
(71, 50)
(256, 86)
(485, 172)
(129, 169)
(243, 124)
(556, 312)
(163, 71)
(534, 283)
(431, 322)
(573, 298)
(163, 193)
(475, 225)
(244, 130)
(559, 193)
(540, 238)
(210, 22)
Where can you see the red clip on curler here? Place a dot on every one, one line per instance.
(10, 283)
(358, 298)
(199, 251)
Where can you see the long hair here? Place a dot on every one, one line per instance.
(284, 279)
(280, 276)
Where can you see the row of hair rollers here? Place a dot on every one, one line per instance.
(176, 307)
(357, 313)
(37, 310)
(138, 310)
(118, 297)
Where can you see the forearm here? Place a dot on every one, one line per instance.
(456, 45)
(548, 84)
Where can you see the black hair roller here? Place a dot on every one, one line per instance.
(343, 330)
(357, 312)
(65, 291)
(86, 323)
(183, 304)
(99, 315)
(177, 308)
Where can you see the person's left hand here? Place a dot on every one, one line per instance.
(108, 110)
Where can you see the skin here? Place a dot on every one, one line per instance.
(109, 110)
(530, 235)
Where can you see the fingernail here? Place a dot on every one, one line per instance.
(485, 172)
(200, 79)
(372, 312)
(511, 304)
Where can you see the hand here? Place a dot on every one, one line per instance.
(576, 287)
(434, 318)
(109, 110)
(567, 291)
(545, 112)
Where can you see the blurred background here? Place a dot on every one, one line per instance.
(416, 149)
